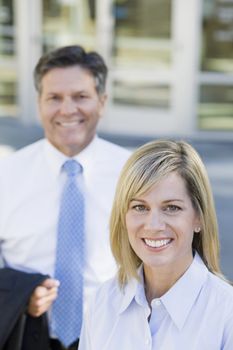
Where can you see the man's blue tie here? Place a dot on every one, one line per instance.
(67, 309)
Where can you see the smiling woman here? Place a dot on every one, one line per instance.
(161, 231)
(164, 238)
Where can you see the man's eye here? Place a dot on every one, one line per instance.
(53, 98)
(79, 97)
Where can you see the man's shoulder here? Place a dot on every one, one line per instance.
(25, 155)
(112, 149)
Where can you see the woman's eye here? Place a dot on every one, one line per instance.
(139, 207)
(172, 208)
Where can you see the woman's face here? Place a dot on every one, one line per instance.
(161, 225)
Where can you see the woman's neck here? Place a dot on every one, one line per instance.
(157, 281)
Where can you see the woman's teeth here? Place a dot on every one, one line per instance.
(157, 243)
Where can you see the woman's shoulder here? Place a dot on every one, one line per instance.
(222, 284)
(221, 290)
(105, 304)
(108, 293)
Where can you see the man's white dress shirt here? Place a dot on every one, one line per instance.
(195, 314)
(30, 188)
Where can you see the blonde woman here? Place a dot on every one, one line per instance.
(169, 293)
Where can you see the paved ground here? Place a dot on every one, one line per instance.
(217, 155)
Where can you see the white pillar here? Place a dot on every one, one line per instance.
(28, 47)
(104, 28)
(104, 42)
(186, 31)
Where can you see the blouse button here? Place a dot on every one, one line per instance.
(156, 302)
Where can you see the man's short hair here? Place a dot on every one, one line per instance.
(69, 56)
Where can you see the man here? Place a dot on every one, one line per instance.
(71, 99)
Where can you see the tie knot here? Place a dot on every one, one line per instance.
(72, 167)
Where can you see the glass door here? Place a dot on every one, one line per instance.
(142, 52)
(67, 22)
(155, 50)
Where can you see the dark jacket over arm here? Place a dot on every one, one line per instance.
(18, 330)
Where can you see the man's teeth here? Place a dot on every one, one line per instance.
(157, 243)
(70, 124)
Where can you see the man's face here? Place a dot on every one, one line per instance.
(70, 108)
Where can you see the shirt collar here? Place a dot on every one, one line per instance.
(87, 156)
(56, 159)
(184, 292)
(133, 290)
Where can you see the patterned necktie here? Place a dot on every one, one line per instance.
(67, 309)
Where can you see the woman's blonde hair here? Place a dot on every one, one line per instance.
(146, 166)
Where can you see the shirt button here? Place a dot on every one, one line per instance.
(147, 341)
(156, 302)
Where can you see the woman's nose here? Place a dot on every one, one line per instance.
(155, 221)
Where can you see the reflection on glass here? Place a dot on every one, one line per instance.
(217, 49)
(150, 95)
(68, 22)
(216, 107)
(6, 28)
(7, 93)
(7, 60)
(142, 32)
(141, 42)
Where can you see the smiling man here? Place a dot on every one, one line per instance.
(71, 98)
(70, 108)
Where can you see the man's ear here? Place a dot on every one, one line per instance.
(102, 100)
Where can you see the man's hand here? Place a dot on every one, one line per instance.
(42, 297)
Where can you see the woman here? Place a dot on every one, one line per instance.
(169, 293)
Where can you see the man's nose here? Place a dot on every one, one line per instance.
(155, 221)
(68, 106)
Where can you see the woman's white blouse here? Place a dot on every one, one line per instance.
(195, 314)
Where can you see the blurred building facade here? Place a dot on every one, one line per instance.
(170, 61)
